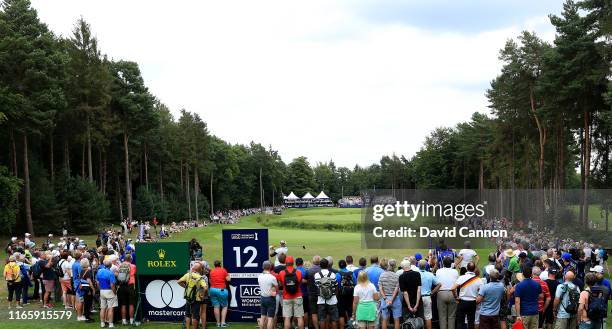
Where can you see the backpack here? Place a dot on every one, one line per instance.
(597, 304)
(36, 270)
(572, 301)
(123, 275)
(347, 283)
(10, 274)
(291, 285)
(412, 322)
(57, 267)
(191, 295)
(327, 285)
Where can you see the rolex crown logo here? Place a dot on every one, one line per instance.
(161, 253)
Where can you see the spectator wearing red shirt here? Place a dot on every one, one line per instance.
(545, 301)
(293, 305)
(218, 293)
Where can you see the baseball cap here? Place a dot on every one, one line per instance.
(566, 256)
(289, 259)
(597, 268)
(283, 242)
(418, 256)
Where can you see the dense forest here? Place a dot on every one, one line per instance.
(85, 143)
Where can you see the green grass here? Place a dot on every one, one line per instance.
(596, 215)
(321, 215)
(316, 242)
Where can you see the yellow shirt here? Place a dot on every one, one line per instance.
(192, 279)
(12, 272)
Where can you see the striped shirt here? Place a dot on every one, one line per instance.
(389, 281)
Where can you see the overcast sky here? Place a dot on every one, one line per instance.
(343, 80)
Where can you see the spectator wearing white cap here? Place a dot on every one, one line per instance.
(598, 269)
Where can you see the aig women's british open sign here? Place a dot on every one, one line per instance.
(244, 251)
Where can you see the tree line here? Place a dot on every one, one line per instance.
(85, 142)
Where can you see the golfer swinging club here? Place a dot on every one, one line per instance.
(282, 249)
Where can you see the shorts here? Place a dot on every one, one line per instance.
(365, 324)
(80, 299)
(108, 299)
(427, 311)
(126, 294)
(394, 310)
(313, 307)
(218, 297)
(67, 286)
(541, 319)
(293, 307)
(49, 285)
(192, 310)
(306, 303)
(345, 306)
(268, 306)
(325, 309)
(490, 322)
(549, 317)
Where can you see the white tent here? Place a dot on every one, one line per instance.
(322, 196)
(292, 196)
(308, 196)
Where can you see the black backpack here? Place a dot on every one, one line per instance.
(572, 300)
(347, 283)
(291, 285)
(36, 270)
(597, 304)
(57, 267)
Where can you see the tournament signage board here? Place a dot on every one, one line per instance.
(162, 298)
(162, 258)
(159, 266)
(244, 251)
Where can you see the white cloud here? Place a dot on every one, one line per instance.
(308, 78)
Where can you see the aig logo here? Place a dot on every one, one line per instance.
(249, 290)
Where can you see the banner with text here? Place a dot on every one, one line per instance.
(244, 251)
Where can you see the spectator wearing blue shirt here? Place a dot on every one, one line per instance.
(489, 298)
(299, 263)
(564, 319)
(108, 298)
(362, 265)
(374, 271)
(76, 280)
(526, 296)
(345, 296)
(598, 269)
(429, 286)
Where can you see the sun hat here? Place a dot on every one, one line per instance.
(597, 269)
(509, 252)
